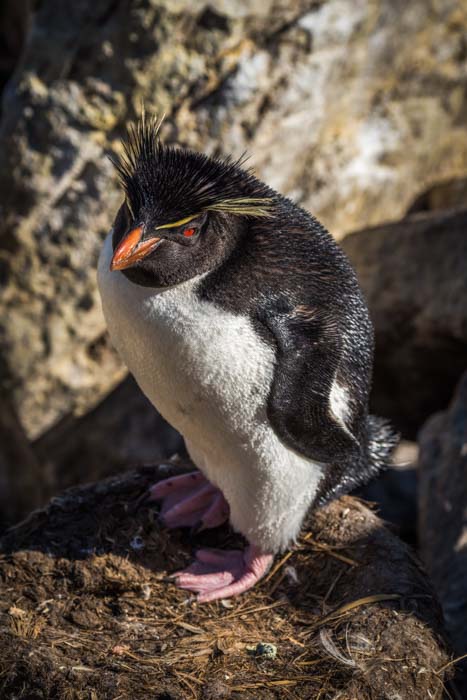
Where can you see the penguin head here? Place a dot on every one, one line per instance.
(183, 213)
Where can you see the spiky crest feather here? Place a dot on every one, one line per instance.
(173, 183)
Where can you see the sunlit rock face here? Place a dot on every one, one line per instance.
(353, 109)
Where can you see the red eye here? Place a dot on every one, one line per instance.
(188, 232)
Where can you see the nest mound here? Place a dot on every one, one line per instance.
(87, 610)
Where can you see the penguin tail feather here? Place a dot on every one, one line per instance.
(382, 441)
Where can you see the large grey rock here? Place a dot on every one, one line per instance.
(443, 510)
(447, 194)
(14, 25)
(350, 109)
(394, 492)
(22, 479)
(123, 430)
(414, 276)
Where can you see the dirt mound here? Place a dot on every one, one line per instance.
(87, 610)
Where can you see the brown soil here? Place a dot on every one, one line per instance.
(87, 612)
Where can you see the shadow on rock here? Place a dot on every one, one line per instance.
(413, 275)
(442, 512)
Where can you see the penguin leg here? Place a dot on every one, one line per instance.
(218, 574)
(190, 500)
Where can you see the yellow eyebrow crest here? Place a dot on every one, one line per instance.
(178, 223)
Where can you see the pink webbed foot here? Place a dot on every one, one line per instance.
(222, 574)
(190, 500)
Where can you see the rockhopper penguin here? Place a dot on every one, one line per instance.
(243, 323)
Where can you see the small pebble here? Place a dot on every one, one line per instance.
(263, 650)
(137, 543)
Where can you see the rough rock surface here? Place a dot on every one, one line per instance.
(394, 492)
(443, 513)
(123, 431)
(414, 276)
(447, 194)
(14, 27)
(87, 612)
(352, 112)
(22, 487)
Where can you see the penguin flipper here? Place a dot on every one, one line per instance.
(309, 356)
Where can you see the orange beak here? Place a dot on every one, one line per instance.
(130, 250)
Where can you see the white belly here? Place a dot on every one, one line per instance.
(208, 373)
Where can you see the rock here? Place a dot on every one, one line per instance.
(21, 490)
(413, 275)
(15, 16)
(448, 194)
(329, 102)
(86, 609)
(123, 430)
(442, 511)
(394, 492)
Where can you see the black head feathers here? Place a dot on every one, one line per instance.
(170, 183)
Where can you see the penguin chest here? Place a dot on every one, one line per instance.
(205, 369)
